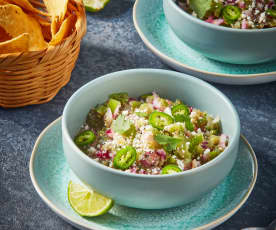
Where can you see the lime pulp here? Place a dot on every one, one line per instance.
(87, 202)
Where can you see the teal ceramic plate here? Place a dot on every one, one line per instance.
(50, 175)
(151, 24)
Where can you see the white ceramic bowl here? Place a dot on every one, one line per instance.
(236, 46)
(150, 191)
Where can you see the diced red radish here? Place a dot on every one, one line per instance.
(103, 155)
(218, 21)
(242, 4)
(270, 4)
(244, 24)
(151, 159)
(162, 153)
(145, 163)
(133, 169)
(210, 19)
(204, 144)
(205, 157)
(109, 133)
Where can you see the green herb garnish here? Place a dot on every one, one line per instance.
(122, 126)
(169, 142)
(201, 7)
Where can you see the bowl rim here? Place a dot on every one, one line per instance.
(216, 27)
(104, 78)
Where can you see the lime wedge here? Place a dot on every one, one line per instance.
(87, 202)
(95, 5)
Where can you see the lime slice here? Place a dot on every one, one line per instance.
(87, 202)
(95, 5)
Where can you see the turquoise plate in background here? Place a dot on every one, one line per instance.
(152, 26)
(50, 175)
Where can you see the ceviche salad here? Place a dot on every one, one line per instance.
(239, 14)
(150, 135)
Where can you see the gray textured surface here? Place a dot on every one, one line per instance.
(112, 44)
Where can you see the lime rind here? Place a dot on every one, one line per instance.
(87, 202)
(95, 5)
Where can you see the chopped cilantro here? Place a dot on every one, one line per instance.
(169, 142)
(201, 7)
(121, 126)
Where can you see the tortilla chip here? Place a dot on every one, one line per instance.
(55, 25)
(15, 22)
(64, 31)
(26, 5)
(18, 44)
(46, 31)
(3, 2)
(43, 22)
(56, 8)
(4, 36)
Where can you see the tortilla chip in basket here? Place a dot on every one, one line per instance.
(3, 2)
(56, 8)
(17, 44)
(26, 5)
(4, 36)
(65, 29)
(15, 22)
(46, 31)
(55, 25)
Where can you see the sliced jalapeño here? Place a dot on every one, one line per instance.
(85, 138)
(159, 120)
(170, 169)
(124, 158)
(231, 13)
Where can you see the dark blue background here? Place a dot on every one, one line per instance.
(112, 44)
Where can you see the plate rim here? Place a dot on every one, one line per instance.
(178, 64)
(92, 225)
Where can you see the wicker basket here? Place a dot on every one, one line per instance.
(36, 77)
